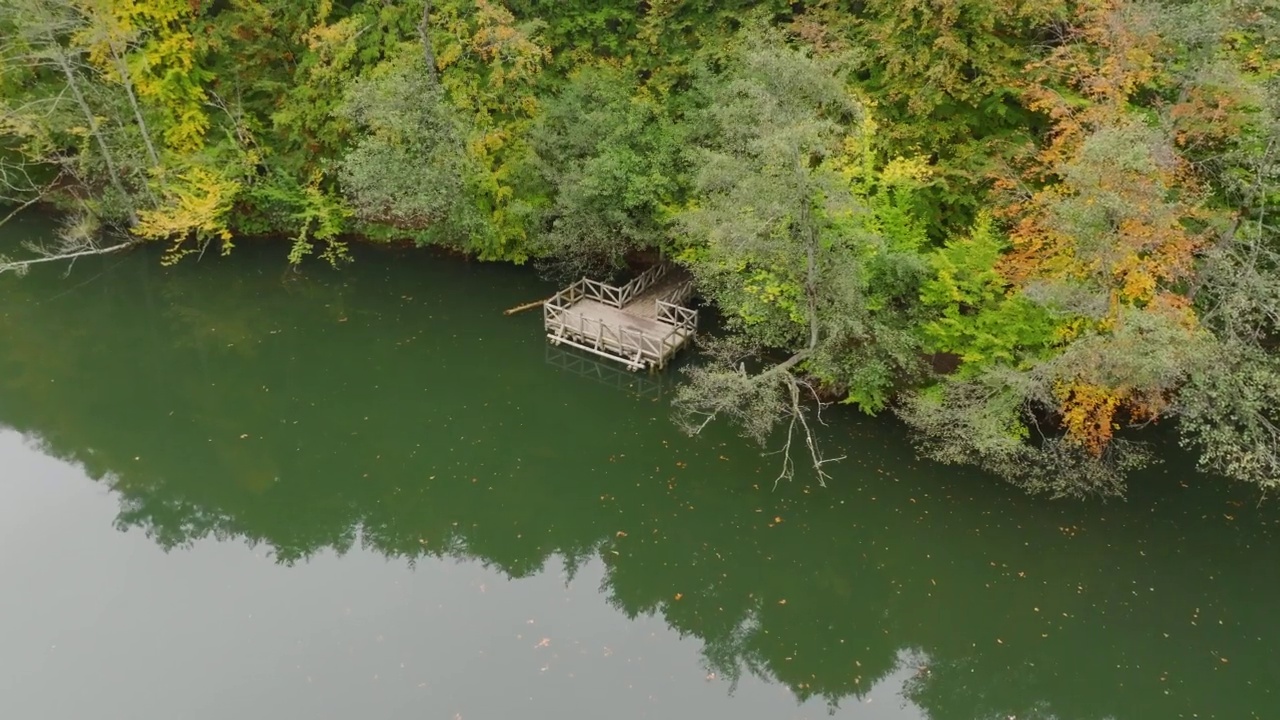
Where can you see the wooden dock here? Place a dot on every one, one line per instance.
(641, 324)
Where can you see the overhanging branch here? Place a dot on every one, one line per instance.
(22, 266)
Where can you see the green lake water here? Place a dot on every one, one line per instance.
(229, 490)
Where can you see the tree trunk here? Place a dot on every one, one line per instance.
(127, 81)
(811, 290)
(809, 235)
(429, 53)
(72, 84)
(123, 69)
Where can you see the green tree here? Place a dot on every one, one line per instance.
(779, 239)
(615, 165)
(1083, 330)
(38, 35)
(406, 168)
(981, 320)
(1229, 408)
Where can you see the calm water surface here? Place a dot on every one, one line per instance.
(235, 491)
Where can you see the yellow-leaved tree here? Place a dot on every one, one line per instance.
(195, 205)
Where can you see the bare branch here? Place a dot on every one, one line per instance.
(79, 237)
(22, 266)
(19, 209)
(756, 404)
(36, 192)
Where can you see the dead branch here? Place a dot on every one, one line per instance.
(755, 403)
(798, 416)
(79, 237)
(36, 193)
(12, 214)
(22, 266)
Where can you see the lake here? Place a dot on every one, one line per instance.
(233, 490)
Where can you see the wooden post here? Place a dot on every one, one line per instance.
(526, 306)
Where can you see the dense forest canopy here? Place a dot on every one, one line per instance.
(1024, 227)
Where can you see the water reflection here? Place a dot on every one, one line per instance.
(393, 408)
(650, 385)
(217, 630)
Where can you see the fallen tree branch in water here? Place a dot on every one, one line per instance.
(756, 403)
(79, 237)
(21, 266)
(526, 306)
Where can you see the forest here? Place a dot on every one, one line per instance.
(1028, 229)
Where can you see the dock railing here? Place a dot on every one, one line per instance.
(633, 346)
(678, 315)
(642, 282)
(619, 296)
(679, 294)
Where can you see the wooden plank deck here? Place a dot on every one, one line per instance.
(646, 305)
(621, 318)
(642, 324)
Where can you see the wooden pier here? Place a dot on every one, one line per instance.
(641, 324)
